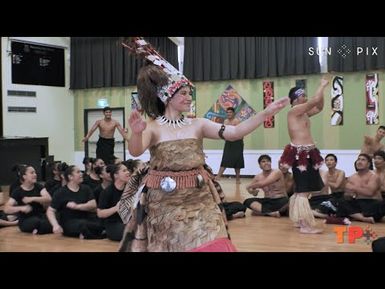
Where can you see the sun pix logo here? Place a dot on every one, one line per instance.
(344, 50)
(367, 235)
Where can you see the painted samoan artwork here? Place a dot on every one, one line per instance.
(229, 98)
(268, 97)
(337, 101)
(371, 86)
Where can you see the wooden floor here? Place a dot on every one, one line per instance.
(249, 234)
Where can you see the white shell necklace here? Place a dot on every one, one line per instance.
(162, 120)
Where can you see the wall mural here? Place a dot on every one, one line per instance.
(268, 97)
(372, 98)
(229, 98)
(337, 101)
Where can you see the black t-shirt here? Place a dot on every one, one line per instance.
(19, 193)
(64, 195)
(109, 198)
(14, 186)
(52, 185)
(97, 192)
(87, 180)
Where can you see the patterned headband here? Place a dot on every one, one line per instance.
(296, 94)
(299, 92)
(176, 80)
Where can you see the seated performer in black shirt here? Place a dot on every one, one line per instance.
(30, 201)
(109, 202)
(75, 204)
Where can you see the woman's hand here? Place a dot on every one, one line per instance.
(27, 200)
(136, 123)
(26, 209)
(72, 205)
(57, 229)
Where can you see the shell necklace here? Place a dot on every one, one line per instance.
(162, 120)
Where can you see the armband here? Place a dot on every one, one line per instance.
(220, 132)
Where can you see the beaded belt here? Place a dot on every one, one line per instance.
(305, 148)
(168, 181)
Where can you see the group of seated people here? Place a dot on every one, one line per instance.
(72, 203)
(359, 197)
(85, 205)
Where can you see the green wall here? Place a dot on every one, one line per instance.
(348, 136)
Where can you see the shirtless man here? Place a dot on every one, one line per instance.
(379, 163)
(233, 151)
(106, 143)
(373, 144)
(272, 183)
(363, 200)
(336, 177)
(303, 156)
(289, 180)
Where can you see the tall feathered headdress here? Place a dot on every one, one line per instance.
(176, 80)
